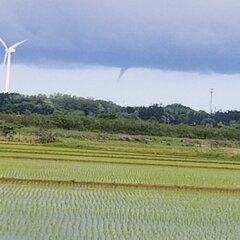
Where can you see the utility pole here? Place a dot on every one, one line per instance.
(211, 100)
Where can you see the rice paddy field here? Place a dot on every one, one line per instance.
(119, 190)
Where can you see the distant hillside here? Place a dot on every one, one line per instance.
(59, 103)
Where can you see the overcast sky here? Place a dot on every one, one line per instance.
(175, 51)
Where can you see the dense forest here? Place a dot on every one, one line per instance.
(45, 113)
(14, 103)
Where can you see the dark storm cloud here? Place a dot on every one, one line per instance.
(201, 35)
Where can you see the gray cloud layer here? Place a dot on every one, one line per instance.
(202, 35)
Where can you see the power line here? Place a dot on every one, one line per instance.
(211, 100)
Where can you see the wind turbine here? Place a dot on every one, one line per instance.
(7, 60)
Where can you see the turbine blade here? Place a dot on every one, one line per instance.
(3, 43)
(16, 44)
(5, 58)
(121, 73)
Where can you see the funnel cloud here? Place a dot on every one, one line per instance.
(183, 35)
(121, 73)
(176, 50)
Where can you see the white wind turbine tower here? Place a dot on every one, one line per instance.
(7, 60)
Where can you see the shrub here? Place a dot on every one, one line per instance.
(44, 136)
(8, 129)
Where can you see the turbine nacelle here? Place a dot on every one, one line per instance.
(10, 50)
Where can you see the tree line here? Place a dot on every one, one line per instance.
(60, 103)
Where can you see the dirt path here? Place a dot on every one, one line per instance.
(74, 183)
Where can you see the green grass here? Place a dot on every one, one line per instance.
(119, 162)
(38, 212)
(33, 207)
